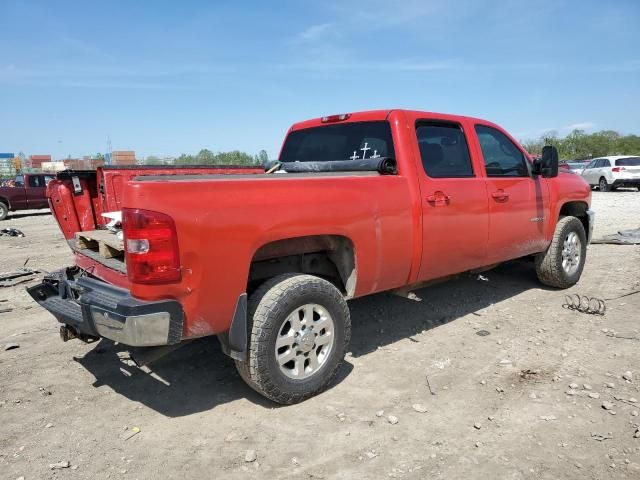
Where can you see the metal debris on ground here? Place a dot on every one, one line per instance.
(623, 237)
(584, 304)
(11, 232)
(429, 385)
(601, 437)
(483, 333)
(20, 275)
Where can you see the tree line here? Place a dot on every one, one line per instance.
(207, 157)
(581, 145)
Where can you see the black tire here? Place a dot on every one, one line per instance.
(549, 264)
(269, 306)
(639, 188)
(603, 186)
(4, 211)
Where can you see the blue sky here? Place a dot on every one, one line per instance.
(167, 77)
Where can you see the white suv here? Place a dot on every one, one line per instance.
(609, 173)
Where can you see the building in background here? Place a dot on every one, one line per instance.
(36, 161)
(121, 157)
(7, 165)
(53, 167)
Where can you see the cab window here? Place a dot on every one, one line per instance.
(36, 181)
(502, 158)
(443, 150)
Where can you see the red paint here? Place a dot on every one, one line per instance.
(404, 228)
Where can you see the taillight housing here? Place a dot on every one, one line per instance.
(617, 169)
(151, 247)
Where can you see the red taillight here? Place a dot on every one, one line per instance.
(336, 118)
(151, 247)
(617, 169)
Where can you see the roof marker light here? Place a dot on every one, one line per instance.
(336, 118)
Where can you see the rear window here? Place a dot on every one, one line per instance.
(345, 141)
(628, 162)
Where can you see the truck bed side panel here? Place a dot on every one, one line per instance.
(221, 224)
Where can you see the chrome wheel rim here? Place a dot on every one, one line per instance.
(603, 184)
(305, 340)
(571, 253)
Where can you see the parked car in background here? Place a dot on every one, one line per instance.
(577, 166)
(26, 192)
(609, 173)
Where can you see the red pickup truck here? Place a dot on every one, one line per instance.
(356, 204)
(25, 192)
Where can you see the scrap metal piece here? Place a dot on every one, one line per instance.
(584, 304)
(20, 275)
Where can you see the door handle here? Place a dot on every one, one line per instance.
(500, 195)
(439, 198)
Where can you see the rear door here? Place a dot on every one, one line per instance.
(454, 201)
(518, 201)
(35, 189)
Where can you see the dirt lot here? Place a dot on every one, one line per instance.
(523, 401)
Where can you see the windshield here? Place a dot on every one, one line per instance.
(628, 162)
(345, 141)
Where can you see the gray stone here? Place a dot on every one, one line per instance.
(627, 376)
(60, 465)
(392, 419)
(607, 405)
(418, 407)
(250, 456)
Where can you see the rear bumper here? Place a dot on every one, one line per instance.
(97, 309)
(626, 182)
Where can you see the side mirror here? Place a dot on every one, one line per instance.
(547, 165)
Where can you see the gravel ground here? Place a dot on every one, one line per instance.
(522, 387)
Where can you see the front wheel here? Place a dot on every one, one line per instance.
(4, 210)
(298, 335)
(562, 264)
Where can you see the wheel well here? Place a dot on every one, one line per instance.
(328, 256)
(5, 201)
(578, 210)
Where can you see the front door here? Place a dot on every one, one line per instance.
(588, 172)
(518, 201)
(454, 202)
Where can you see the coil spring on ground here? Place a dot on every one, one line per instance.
(584, 304)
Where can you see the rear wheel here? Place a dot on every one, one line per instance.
(298, 335)
(603, 185)
(562, 264)
(4, 210)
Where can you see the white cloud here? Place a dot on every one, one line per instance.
(315, 32)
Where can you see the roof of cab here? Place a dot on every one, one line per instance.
(373, 115)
